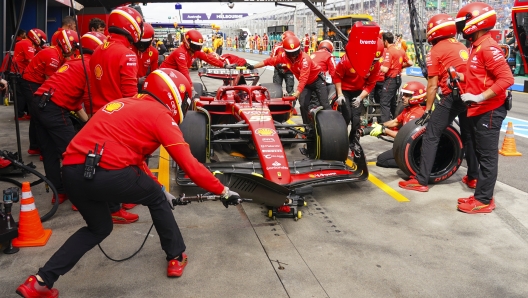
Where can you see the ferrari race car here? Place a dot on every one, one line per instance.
(253, 120)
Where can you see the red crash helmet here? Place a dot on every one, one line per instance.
(68, 41)
(91, 40)
(287, 34)
(475, 17)
(379, 50)
(416, 90)
(292, 47)
(146, 40)
(440, 26)
(326, 44)
(37, 36)
(193, 40)
(126, 21)
(171, 88)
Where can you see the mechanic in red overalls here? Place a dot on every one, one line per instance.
(24, 51)
(114, 68)
(413, 94)
(181, 59)
(487, 78)
(351, 89)
(146, 52)
(446, 52)
(129, 128)
(54, 127)
(41, 67)
(323, 57)
(281, 72)
(312, 84)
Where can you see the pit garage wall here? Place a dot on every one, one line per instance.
(37, 14)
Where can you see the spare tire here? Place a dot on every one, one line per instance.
(275, 90)
(194, 129)
(332, 136)
(407, 151)
(198, 87)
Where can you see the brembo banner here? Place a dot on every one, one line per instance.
(213, 16)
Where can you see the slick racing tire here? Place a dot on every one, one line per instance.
(331, 136)
(194, 129)
(343, 109)
(198, 87)
(332, 93)
(275, 90)
(407, 151)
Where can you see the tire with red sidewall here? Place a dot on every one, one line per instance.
(407, 151)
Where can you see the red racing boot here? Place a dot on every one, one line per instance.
(123, 217)
(473, 206)
(128, 206)
(31, 289)
(62, 198)
(413, 184)
(470, 183)
(175, 267)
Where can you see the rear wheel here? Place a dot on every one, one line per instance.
(194, 129)
(407, 151)
(331, 136)
(199, 89)
(275, 90)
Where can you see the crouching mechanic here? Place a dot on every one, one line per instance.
(129, 129)
(312, 84)
(181, 59)
(413, 94)
(54, 127)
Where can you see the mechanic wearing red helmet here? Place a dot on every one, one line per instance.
(395, 59)
(487, 77)
(146, 52)
(54, 127)
(323, 57)
(311, 80)
(41, 67)
(281, 72)
(130, 129)
(351, 89)
(114, 69)
(38, 37)
(446, 52)
(413, 94)
(181, 59)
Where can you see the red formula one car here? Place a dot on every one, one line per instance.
(253, 119)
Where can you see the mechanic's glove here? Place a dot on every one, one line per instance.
(250, 67)
(314, 111)
(377, 129)
(141, 81)
(340, 99)
(168, 197)
(230, 66)
(230, 197)
(424, 119)
(296, 94)
(355, 102)
(469, 98)
(366, 102)
(366, 131)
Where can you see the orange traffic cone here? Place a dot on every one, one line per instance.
(508, 146)
(30, 230)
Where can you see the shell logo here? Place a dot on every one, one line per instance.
(352, 70)
(401, 60)
(475, 13)
(288, 65)
(464, 55)
(138, 19)
(70, 38)
(113, 107)
(63, 68)
(187, 36)
(311, 176)
(265, 132)
(420, 91)
(182, 88)
(430, 25)
(200, 40)
(292, 45)
(98, 71)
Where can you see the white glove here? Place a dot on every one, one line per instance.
(168, 197)
(469, 98)
(356, 101)
(340, 100)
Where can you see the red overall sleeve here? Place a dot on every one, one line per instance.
(128, 75)
(498, 68)
(272, 61)
(331, 66)
(339, 73)
(304, 73)
(209, 59)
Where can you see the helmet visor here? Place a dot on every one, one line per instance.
(195, 46)
(294, 54)
(185, 104)
(461, 22)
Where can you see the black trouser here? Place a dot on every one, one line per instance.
(28, 88)
(313, 95)
(22, 103)
(91, 197)
(386, 160)
(354, 117)
(444, 113)
(219, 50)
(378, 91)
(388, 98)
(485, 130)
(280, 75)
(54, 132)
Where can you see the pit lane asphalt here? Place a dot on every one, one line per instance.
(354, 240)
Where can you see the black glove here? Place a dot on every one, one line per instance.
(424, 119)
(366, 131)
(250, 67)
(230, 198)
